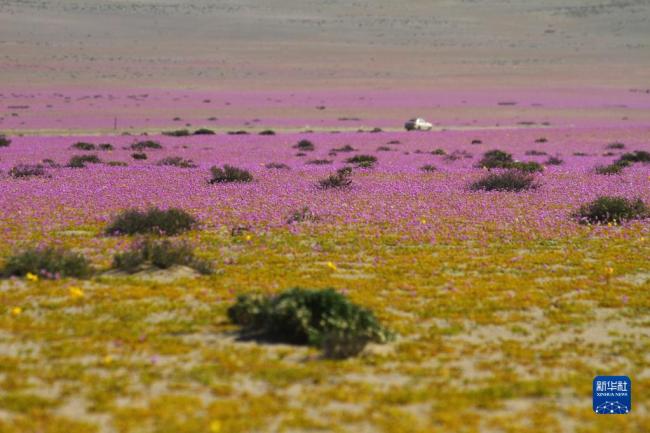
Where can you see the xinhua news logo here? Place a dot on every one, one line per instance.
(612, 395)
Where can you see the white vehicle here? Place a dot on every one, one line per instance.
(418, 124)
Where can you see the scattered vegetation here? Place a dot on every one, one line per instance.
(554, 160)
(27, 170)
(177, 133)
(615, 145)
(239, 132)
(340, 179)
(362, 161)
(302, 215)
(82, 145)
(139, 156)
(346, 148)
(146, 144)
(319, 161)
(535, 153)
(204, 131)
(636, 156)
(177, 161)
(384, 149)
(458, 154)
(106, 146)
(500, 159)
(117, 164)
(80, 161)
(321, 318)
(277, 166)
(439, 151)
(267, 132)
(612, 209)
(305, 146)
(162, 254)
(428, 168)
(47, 262)
(613, 168)
(230, 174)
(510, 180)
(4, 141)
(152, 221)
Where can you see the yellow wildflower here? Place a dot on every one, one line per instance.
(108, 359)
(16, 311)
(75, 293)
(423, 220)
(215, 426)
(331, 265)
(31, 277)
(248, 237)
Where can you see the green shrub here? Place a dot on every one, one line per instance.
(267, 132)
(439, 151)
(117, 164)
(428, 168)
(302, 215)
(615, 145)
(340, 179)
(82, 145)
(27, 170)
(204, 131)
(527, 167)
(177, 161)
(146, 144)
(277, 166)
(177, 133)
(80, 161)
(47, 262)
(230, 174)
(321, 318)
(346, 148)
(161, 254)
(613, 168)
(611, 209)
(510, 180)
(636, 156)
(554, 160)
(362, 161)
(536, 153)
(106, 146)
(152, 221)
(240, 132)
(139, 156)
(319, 161)
(305, 145)
(496, 159)
(4, 141)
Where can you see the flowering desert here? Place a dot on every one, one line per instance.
(212, 218)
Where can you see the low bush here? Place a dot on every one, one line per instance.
(363, 161)
(615, 145)
(541, 140)
(4, 141)
(613, 168)
(152, 221)
(612, 209)
(277, 166)
(80, 161)
(321, 318)
(51, 163)
(27, 170)
(240, 132)
(458, 154)
(230, 174)
(536, 153)
(305, 146)
(139, 156)
(319, 161)
(496, 159)
(177, 161)
(476, 141)
(82, 145)
(177, 133)
(510, 180)
(636, 156)
(340, 179)
(384, 149)
(161, 254)
(47, 262)
(554, 160)
(117, 164)
(267, 132)
(106, 146)
(428, 168)
(302, 215)
(146, 144)
(438, 151)
(346, 148)
(204, 131)
(527, 167)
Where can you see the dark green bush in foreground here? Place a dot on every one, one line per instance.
(613, 168)
(511, 180)
(4, 141)
(636, 156)
(47, 262)
(152, 221)
(230, 174)
(305, 145)
(322, 318)
(160, 254)
(362, 161)
(611, 209)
